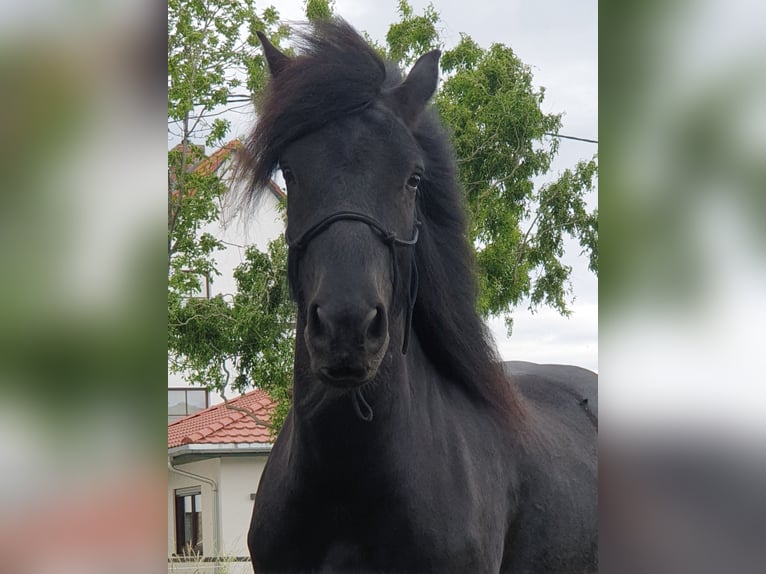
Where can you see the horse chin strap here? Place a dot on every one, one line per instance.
(361, 406)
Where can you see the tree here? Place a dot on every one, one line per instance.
(235, 343)
(412, 36)
(493, 111)
(318, 9)
(499, 132)
(220, 342)
(207, 59)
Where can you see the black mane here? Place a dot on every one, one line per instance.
(338, 73)
(335, 73)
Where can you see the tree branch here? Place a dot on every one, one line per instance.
(248, 412)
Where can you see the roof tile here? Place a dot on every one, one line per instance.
(219, 424)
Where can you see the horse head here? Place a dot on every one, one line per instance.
(352, 185)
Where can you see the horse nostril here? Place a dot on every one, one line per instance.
(376, 324)
(315, 320)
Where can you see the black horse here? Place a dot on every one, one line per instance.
(408, 448)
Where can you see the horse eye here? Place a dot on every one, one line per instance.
(414, 181)
(287, 174)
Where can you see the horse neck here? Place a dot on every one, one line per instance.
(326, 426)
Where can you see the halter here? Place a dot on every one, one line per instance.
(389, 238)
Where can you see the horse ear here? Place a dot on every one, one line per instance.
(275, 59)
(411, 97)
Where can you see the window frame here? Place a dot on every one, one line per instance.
(196, 535)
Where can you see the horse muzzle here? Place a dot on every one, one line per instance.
(346, 343)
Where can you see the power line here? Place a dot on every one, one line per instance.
(571, 138)
(245, 99)
(237, 98)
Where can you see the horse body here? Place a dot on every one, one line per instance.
(407, 449)
(559, 518)
(430, 485)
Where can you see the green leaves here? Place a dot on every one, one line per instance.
(318, 9)
(412, 36)
(193, 196)
(240, 342)
(265, 326)
(204, 53)
(489, 102)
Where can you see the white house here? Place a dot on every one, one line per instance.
(215, 460)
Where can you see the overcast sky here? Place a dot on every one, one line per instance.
(558, 40)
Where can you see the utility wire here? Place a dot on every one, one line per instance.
(244, 98)
(571, 138)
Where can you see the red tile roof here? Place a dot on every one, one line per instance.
(212, 163)
(221, 424)
(198, 162)
(208, 165)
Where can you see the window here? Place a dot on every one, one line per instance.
(189, 522)
(182, 402)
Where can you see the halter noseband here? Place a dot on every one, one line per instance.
(388, 237)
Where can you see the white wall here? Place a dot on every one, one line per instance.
(239, 478)
(239, 228)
